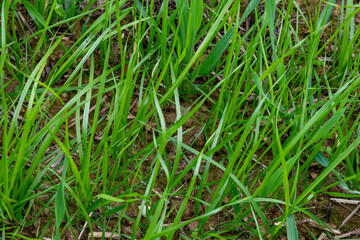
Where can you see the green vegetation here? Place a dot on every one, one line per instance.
(176, 119)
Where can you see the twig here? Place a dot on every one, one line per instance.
(346, 201)
(356, 231)
(106, 235)
(350, 216)
(20, 118)
(331, 227)
(343, 205)
(26, 24)
(84, 227)
(322, 236)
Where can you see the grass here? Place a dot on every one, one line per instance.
(176, 123)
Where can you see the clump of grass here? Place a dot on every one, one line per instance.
(87, 135)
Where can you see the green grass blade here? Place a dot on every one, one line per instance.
(291, 229)
(215, 55)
